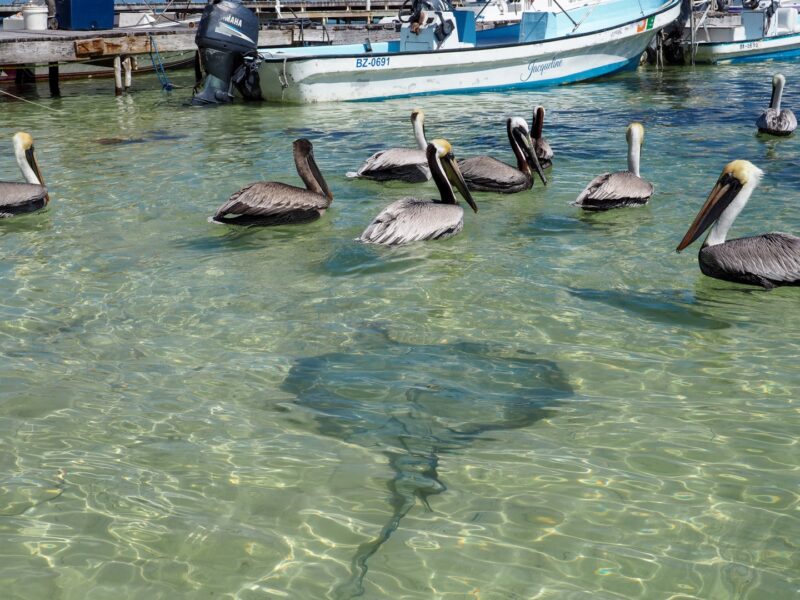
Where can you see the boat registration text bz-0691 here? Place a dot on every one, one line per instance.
(372, 62)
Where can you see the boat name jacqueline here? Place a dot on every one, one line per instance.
(375, 61)
(539, 68)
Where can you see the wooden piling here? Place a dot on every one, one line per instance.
(117, 76)
(52, 79)
(126, 69)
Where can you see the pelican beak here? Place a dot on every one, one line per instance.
(533, 160)
(312, 164)
(726, 189)
(31, 158)
(457, 179)
(530, 155)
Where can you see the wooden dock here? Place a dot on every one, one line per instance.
(19, 48)
(318, 8)
(24, 50)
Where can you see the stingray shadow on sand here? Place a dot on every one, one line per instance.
(416, 402)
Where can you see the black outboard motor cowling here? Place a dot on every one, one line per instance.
(227, 39)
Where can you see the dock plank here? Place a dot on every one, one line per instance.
(18, 47)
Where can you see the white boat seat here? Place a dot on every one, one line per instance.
(786, 20)
(427, 39)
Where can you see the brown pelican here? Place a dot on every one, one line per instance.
(20, 198)
(487, 174)
(413, 220)
(767, 260)
(775, 121)
(540, 145)
(275, 203)
(622, 188)
(403, 164)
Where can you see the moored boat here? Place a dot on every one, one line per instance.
(449, 55)
(739, 34)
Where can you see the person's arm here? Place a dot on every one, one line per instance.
(416, 16)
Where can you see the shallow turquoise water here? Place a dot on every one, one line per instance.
(561, 405)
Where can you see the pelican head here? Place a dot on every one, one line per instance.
(732, 191)
(444, 154)
(778, 81)
(26, 159)
(520, 137)
(304, 160)
(635, 137)
(418, 122)
(635, 133)
(537, 123)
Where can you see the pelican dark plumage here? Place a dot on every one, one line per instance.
(412, 220)
(768, 260)
(540, 145)
(622, 188)
(273, 203)
(401, 164)
(487, 174)
(20, 198)
(775, 121)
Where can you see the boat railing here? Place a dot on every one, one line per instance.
(696, 23)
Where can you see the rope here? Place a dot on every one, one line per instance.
(285, 80)
(30, 102)
(159, 66)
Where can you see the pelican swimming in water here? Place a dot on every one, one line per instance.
(274, 203)
(775, 121)
(413, 220)
(487, 174)
(768, 260)
(403, 164)
(622, 188)
(20, 198)
(540, 145)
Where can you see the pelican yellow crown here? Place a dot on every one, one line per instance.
(417, 113)
(23, 140)
(635, 131)
(443, 147)
(743, 170)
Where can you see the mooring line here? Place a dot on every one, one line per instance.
(31, 102)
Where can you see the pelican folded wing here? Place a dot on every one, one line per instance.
(611, 190)
(17, 198)
(767, 260)
(412, 220)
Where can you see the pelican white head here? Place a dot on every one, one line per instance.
(730, 194)
(778, 82)
(635, 137)
(26, 159)
(418, 122)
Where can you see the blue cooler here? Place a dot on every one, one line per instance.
(85, 14)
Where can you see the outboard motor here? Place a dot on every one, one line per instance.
(227, 39)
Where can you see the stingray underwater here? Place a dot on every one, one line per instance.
(413, 403)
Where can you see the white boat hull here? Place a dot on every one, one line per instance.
(782, 46)
(375, 76)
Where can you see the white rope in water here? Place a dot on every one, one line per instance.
(30, 102)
